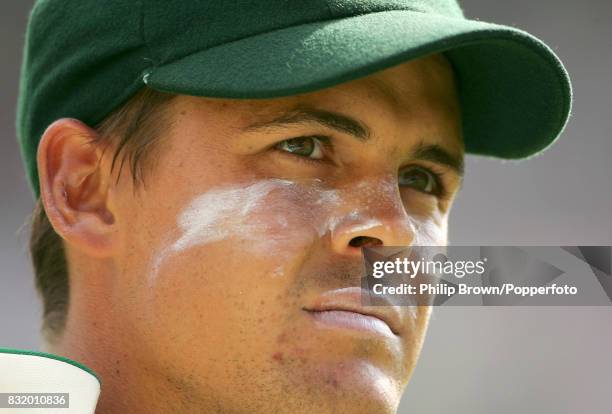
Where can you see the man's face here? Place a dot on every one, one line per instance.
(251, 224)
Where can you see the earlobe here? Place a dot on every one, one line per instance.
(74, 187)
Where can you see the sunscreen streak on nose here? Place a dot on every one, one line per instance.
(335, 221)
(220, 213)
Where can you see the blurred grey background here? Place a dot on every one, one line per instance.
(475, 360)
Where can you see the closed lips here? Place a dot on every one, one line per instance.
(343, 307)
(354, 320)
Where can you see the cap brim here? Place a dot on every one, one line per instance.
(515, 93)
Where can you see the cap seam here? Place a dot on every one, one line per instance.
(143, 36)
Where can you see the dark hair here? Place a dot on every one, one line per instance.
(132, 131)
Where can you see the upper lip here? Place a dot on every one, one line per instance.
(349, 299)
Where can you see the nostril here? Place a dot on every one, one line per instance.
(361, 241)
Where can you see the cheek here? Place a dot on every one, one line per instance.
(231, 249)
(224, 276)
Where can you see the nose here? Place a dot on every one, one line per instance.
(374, 223)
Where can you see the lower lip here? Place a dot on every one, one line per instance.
(352, 320)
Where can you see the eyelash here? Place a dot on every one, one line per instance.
(326, 143)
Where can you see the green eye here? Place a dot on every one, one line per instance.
(309, 147)
(420, 179)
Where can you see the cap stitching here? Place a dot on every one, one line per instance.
(143, 36)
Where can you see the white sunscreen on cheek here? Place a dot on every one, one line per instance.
(221, 213)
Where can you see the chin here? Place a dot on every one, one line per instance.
(354, 387)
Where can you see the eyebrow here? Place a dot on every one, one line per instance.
(439, 155)
(303, 115)
(306, 115)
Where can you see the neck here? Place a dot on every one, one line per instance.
(90, 337)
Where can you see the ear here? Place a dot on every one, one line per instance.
(74, 187)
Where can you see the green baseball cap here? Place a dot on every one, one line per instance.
(85, 58)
